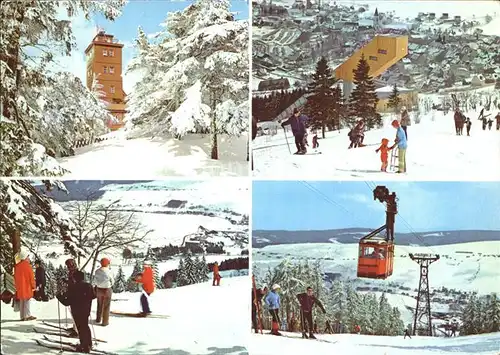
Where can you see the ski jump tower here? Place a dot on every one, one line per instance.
(423, 308)
(381, 53)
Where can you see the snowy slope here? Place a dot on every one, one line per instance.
(485, 344)
(202, 320)
(434, 152)
(143, 158)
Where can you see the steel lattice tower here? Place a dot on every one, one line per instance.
(423, 308)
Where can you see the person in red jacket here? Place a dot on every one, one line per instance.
(148, 286)
(216, 281)
(357, 329)
(24, 280)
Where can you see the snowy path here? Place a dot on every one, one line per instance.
(202, 320)
(434, 153)
(142, 158)
(485, 344)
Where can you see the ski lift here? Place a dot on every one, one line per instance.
(376, 253)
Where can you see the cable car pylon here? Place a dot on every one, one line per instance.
(376, 254)
(423, 308)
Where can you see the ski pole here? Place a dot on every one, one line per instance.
(286, 138)
(60, 329)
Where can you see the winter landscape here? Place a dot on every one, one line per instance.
(307, 234)
(115, 89)
(189, 231)
(349, 69)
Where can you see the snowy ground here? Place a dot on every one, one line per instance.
(434, 153)
(202, 320)
(455, 269)
(142, 158)
(485, 344)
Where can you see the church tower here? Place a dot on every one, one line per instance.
(104, 62)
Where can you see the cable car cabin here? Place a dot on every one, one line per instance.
(376, 258)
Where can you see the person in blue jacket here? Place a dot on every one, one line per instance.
(273, 304)
(402, 144)
(298, 123)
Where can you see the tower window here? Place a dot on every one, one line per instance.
(112, 89)
(373, 58)
(111, 70)
(105, 52)
(382, 51)
(111, 52)
(105, 71)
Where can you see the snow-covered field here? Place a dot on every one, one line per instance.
(202, 320)
(455, 269)
(485, 344)
(146, 158)
(434, 152)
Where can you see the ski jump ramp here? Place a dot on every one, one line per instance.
(382, 52)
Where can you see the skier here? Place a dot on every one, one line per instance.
(400, 141)
(103, 283)
(468, 125)
(490, 124)
(148, 286)
(273, 304)
(40, 282)
(357, 135)
(384, 153)
(328, 327)
(407, 334)
(405, 120)
(72, 268)
(79, 298)
(459, 122)
(256, 303)
(217, 277)
(315, 142)
(297, 122)
(24, 280)
(357, 329)
(307, 300)
(497, 118)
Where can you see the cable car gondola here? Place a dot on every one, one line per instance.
(376, 253)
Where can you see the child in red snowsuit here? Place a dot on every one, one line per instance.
(384, 153)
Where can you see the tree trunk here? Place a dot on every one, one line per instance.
(213, 128)
(323, 130)
(93, 263)
(248, 150)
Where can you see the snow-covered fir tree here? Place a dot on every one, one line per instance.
(61, 277)
(395, 99)
(156, 276)
(190, 273)
(337, 302)
(181, 275)
(120, 284)
(203, 269)
(363, 100)
(51, 283)
(195, 75)
(470, 317)
(132, 286)
(33, 34)
(492, 323)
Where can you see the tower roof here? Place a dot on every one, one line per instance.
(376, 11)
(104, 38)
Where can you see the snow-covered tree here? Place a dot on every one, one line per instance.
(394, 99)
(195, 75)
(470, 317)
(120, 284)
(61, 277)
(384, 315)
(203, 269)
(492, 323)
(189, 271)
(132, 286)
(181, 275)
(33, 34)
(156, 276)
(337, 302)
(51, 283)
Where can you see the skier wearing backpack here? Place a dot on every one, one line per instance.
(297, 121)
(307, 300)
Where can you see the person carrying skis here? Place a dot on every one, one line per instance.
(148, 286)
(407, 334)
(273, 304)
(40, 282)
(468, 125)
(24, 280)
(217, 277)
(103, 283)
(405, 120)
(307, 300)
(297, 122)
(400, 141)
(79, 298)
(256, 303)
(384, 153)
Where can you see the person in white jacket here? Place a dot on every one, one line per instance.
(103, 282)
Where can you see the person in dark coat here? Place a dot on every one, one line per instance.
(40, 282)
(468, 125)
(407, 334)
(307, 300)
(256, 304)
(254, 128)
(297, 122)
(79, 298)
(497, 118)
(357, 135)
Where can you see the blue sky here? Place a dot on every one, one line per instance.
(148, 14)
(424, 206)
